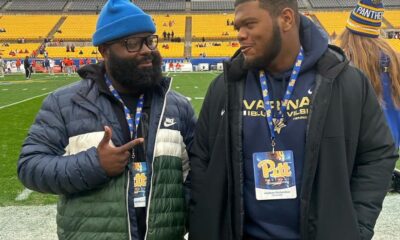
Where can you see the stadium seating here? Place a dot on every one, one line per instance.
(29, 27)
(169, 23)
(3, 2)
(17, 48)
(171, 49)
(347, 3)
(213, 26)
(226, 49)
(393, 16)
(392, 3)
(37, 5)
(60, 52)
(395, 43)
(335, 22)
(202, 5)
(159, 5)
(86, 5)
(77, 27)
(302, 4)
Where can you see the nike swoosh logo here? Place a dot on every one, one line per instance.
(169, 124)
(309, 91)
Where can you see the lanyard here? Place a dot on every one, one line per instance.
(139, 107)
(286, 98)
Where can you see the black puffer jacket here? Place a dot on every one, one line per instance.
(349, 156)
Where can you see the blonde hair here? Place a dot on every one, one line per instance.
(365, 53)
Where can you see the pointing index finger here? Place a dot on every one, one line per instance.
(129, 145)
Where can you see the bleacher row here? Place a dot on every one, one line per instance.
(78, 29)
(160, 5)
(81, 27)
(346, 3)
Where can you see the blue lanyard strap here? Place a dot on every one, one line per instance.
(286, 98)
(139, 108)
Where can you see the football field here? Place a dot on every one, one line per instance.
(20, 100)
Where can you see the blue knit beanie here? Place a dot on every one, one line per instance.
(120, 18)
(366, 18)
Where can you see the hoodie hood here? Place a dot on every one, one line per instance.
(92, 71)
(314, 41)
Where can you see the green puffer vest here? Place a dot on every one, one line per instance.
(97, 214)
(166, 210)
(103, 214)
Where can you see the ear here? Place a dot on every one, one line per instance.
(103, 49)
(287, 20)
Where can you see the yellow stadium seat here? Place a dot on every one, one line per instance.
(226, 49)
(213, 26)
(29, 27)
(173, 50)
(393, 16)
(17, 48)
(77, 27)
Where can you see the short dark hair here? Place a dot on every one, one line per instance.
(274, 7)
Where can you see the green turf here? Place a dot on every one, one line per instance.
(16, 120)
(14, 88)
(398, 164)
(193, 85)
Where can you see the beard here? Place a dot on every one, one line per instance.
(271, 51)
(128, 74)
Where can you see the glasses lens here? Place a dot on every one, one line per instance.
(133, 44)
(152, 41)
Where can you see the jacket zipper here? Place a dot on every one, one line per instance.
(127, 206)
(152, 161)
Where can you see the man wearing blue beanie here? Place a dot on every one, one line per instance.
(113, 146)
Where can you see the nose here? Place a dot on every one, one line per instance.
(242, 34)
(145, 49)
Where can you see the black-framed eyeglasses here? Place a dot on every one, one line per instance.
(135, 44)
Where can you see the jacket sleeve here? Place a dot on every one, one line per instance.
(189, 125)
(188, 135)
(42, 166)
(375, 159)
(199, 154)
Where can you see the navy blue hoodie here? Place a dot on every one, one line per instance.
(279, 219)
(392, 114)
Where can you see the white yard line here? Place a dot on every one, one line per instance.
(28, 99)
(25, 100)
(24, 195)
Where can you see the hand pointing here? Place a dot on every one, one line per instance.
(114, 159)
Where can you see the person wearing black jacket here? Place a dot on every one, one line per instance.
(27, 66)
(297, 147)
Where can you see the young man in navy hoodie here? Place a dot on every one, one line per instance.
(297, 147)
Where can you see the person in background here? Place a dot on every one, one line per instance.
(2, 67)
(374, 56)
(18, 64)
(33, 66)
(27, 66)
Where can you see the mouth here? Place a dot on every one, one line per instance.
(147, 63)
(245, 49)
